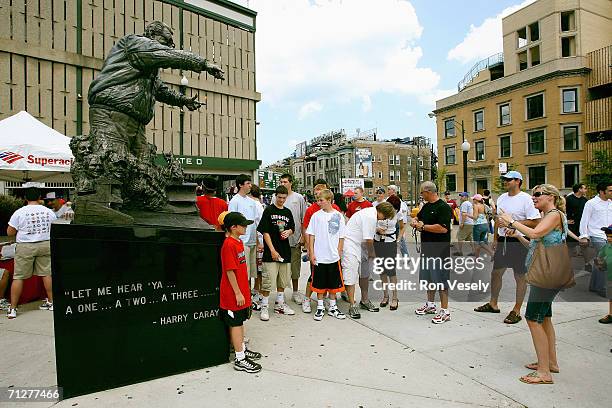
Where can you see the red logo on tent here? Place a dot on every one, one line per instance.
(10, 157)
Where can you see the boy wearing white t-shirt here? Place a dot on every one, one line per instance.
(325, 243)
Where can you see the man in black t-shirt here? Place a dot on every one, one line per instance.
(574, 204)
(434, 221)
(276, 225)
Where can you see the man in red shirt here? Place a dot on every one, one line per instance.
(234, 290)
(359, 202)
(314, 207)
(210, 206)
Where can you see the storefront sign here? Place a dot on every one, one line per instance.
(351, 184)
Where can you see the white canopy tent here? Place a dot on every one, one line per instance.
(32, 151)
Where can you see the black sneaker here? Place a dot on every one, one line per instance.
(246, 365)
(253, 355)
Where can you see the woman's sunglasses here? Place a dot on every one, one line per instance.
(539, 193)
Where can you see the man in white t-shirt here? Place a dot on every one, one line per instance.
(31, 224)
(245, 205)
(359, 251)
(509, 252)
(466, 224)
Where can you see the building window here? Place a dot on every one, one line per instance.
(397, 175)
(409, 161)
(570, 138)
(392, 175)
(451, 182)
(449, 128)
(422, 176)
(571, 175)
(421, 162)
(479, 146)
(534, 31)
(380, 175)
(504, 114)
(568, 46)
(570, 100)
(449, 155)
(397, 159)
(537, 176)
(505, 149)
(568, 21)
(535, 142)
(391, 160)
(522, 59)
(521, 37)
(534, 53)
(478, 120)
(535, 106)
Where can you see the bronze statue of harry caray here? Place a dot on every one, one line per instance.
(114, 165)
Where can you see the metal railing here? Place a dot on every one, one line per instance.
(478, 67)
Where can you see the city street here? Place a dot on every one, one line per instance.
(390, 359)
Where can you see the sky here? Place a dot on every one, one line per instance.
(324, 65)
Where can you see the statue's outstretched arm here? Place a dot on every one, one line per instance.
(147, 55)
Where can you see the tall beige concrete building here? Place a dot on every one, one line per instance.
(527, 107)
(50, 51)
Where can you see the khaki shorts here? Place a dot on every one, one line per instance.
(465, 233)
(275, 275)
(32, 258)
(250, 253)
(296, 262)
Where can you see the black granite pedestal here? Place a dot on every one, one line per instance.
(133, 303)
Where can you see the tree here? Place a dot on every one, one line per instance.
(599, 168)
(440, 179)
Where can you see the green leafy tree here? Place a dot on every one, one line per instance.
(599, 169)
(498, 186)
(440, 179)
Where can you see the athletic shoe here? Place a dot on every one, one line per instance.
(306, 306)
(369, 306)
(265, 313)
(252, 355)
(246, 365)
(354, 312)
(423, 310)
(283, 309)
(297, 298)
(46, 305)
(318, 316)
(11, 313)
(441, 317)
(336, 313)
(4, 304)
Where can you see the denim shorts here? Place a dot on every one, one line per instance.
(539, 304)
(480, 233)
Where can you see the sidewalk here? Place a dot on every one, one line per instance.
(391, 359)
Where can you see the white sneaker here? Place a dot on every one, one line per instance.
(283, 309)
(46, 305)
(265, 314)
(306, 306)
(11, 313)
(297, 298)
(318, 316)
(335, 312)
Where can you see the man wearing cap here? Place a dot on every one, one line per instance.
(597, 214)
(466, 224)
(509, 252)
(31, 224)
(453, 205)
(58, 205)
(380, 197)
(210, 206)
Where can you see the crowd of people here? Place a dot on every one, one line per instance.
(341, 242)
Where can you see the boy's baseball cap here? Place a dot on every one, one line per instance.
(463, 194)
(380, 190)
(512, 175)
(229, 219)
(608, 229)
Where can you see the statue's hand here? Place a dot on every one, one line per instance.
(192, 104)
(214, 70)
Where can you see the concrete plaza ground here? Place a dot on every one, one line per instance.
(385, 359)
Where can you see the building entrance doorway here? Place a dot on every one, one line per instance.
(482, 185)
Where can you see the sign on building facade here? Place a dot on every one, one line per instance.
(363, 162)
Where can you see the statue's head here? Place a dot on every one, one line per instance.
(159, 32)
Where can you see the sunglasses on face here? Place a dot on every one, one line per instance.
(539, 193)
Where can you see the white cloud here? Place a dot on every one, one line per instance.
(338, 50)
(409, 114)
(484, 40)
(430, 98)
(366, 105)
(309, 108)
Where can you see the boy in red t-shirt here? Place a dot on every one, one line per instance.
(235, 293)
(210, 207)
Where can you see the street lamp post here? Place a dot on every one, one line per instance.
(465, 146)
